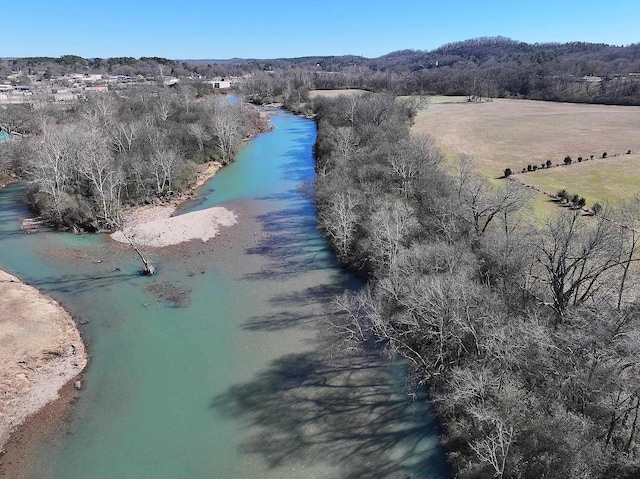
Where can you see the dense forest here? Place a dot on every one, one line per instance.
(525, 335)
(86, 161)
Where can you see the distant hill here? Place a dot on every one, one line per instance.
(479, 68)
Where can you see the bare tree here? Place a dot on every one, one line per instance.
(186, 95)
(413, 157)
(340, 220)
(124, 133)
(481, 202)
(493, 448)
(390, 226)
(99, 110)
(227, 126)
(163, 165)
(573, 260)
(53, 165)
(200, 133)
(163, 105)
(99, 167)
(629, 216)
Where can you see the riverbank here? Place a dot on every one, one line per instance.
(156, 226)
(40, 351)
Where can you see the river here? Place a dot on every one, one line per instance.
(232, 378)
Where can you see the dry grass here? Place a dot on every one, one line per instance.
(601, 180)
(334, 93)
(514, 133)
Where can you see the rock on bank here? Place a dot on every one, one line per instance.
(40, 351)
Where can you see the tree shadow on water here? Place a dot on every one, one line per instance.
(289, 306)
(292, 243)
(346, 412)
(79, 283)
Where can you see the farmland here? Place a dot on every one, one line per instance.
(515, 133)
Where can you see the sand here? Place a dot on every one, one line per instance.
(40, 351)
(166, 231)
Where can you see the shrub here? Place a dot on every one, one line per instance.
(529, 167)
(507, 172)
(563, 194)
(579, 159)
(596, 208)
(549, 163)
(604, 155)
(567, 160)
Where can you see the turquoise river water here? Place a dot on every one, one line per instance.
(234, 380)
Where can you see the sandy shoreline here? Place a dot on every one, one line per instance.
(40, 351)
(155, 226)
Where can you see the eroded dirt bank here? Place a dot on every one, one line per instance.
(40, 351)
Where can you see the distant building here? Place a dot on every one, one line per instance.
(220, 84)
(97, 88)
(64, 96)
(170, 81)
(92, 77)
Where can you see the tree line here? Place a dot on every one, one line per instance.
(481, 68)
(87, 161)
(525, 334)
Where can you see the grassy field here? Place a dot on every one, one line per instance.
(334, 93)
(514, 133)
(611, 179)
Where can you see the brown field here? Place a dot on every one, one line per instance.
(514, 133)
(334, 93)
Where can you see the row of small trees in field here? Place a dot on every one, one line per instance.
(526, 334)
(549, 164)
(576, 200)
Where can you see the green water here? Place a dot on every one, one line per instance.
(236, 382)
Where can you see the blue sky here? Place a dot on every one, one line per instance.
(286, 28)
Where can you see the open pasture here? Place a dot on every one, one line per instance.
(610, 180)
(335, 93)
(515, 133)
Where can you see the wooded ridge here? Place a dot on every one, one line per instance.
(478, 68)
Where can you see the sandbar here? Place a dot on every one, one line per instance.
(40, 351)
(198, 225)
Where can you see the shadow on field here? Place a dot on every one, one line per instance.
(345, 412)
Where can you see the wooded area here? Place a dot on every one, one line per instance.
(86, 161)
(481, 68)
(525, 335)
